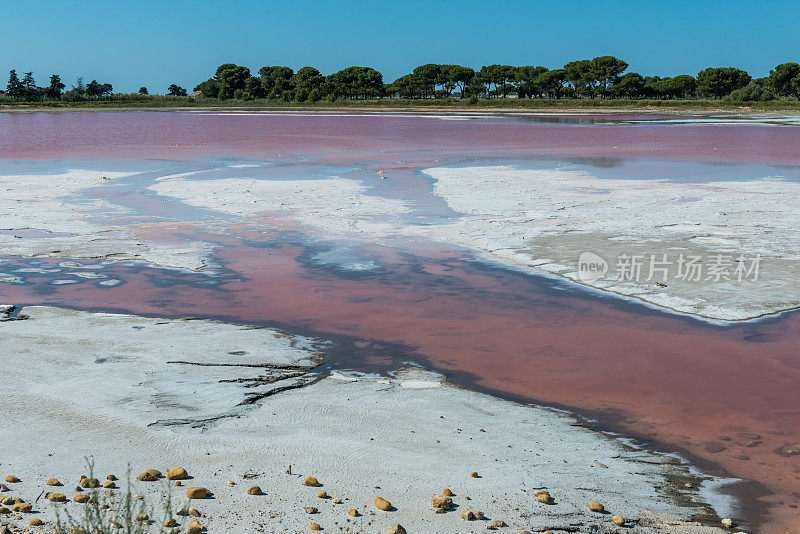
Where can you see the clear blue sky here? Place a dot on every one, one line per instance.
(155, 43)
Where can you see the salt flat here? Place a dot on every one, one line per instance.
(242, 404)
(545, 220)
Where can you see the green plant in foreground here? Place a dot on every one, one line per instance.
(119, 513)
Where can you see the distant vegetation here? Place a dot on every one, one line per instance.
(599, 82)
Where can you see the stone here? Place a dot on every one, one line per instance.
(57, 497)
(12, 479)
(544, 497)
(143, 517)
(314, 526)
(727, 522)
(53, 482)
(336, 500)
(198, 492)
(789, 449)
(499, 523)
(147, 476)
(109, 484)
(441, 502)
(194, 512)
(178, 483)
(194, 527)
(395, 529)
(177, 473)
(474, 474)
(81, 498)
(310, 510)
(90, 483)
(382, 504)
(311, 481)
(254, 490)
(447, 492)
(24, 507)
(618, 520)
(4, 510)
(595, 506)
(35, 522)
(137, 496)
(471, 515)
(322, 495)
(353, 512)
(111, 477)
(170, 522)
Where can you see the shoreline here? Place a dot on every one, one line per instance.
(414, 385)
(732, 109)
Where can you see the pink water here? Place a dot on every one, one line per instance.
(728, 397)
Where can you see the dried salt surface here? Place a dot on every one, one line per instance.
(99, 385)
(545, 219)
(334, 204)
(49, 203)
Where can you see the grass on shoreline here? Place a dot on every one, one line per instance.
(171, 102)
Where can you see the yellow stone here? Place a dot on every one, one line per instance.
(57, 497)
(353, 512)
(618, 520)
(143, 517)
(595, 506)
(322, 495)
(447, 492)
(53, 482)
(194, 527)
(81, 498)
(474, 474)
(90, 483)
(109, 484)
(314, 526)
(382, 504)
(177, 473)
(35, 522)
(544, 497)
(197, 492)
(170, 522)
(311, 481)
(12, 479)
(24, 507)
(254, 490)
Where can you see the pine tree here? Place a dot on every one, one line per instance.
(15, 87)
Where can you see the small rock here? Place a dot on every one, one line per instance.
(336, 500)
(353, 512)
(24, 507)
(53, 482)
(311, 510)
(109, 484)
(382, 504)
(147, 476)
(471, 515)
(474, 474)
(441, 502)
(595, 506)
(35, 522)
(57, 497)
(12, 479)
(81, 498)
(322, 495)
(4, 510)
(314, 526)
(171, 522)
(544, 497)
(254, 490)
(198, 492)
(143, 517)
(176, 473)
(194, 527)
(499, 523)
(4, 488)
(311, 481)
(618, 520)
(178, 483)
(111, 478)
(90, 483)
(447, 492)
(138, 497)
(231, 483)
(194, 512)
(727, 522)
(395, 529)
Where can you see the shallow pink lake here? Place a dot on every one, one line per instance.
(726, 397)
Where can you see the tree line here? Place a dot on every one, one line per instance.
(603, 77)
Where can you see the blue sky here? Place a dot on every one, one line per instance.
(156, 43)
